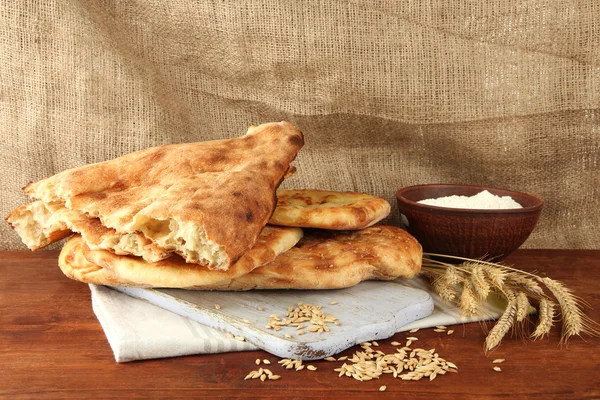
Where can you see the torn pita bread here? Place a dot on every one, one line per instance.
(176, 273)
(39, 223)
(321, 260)
(328, 210)
(207, 201)
(333, 260)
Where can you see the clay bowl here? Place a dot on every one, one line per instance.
(489, 234)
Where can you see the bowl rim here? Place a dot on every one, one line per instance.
(539, 202)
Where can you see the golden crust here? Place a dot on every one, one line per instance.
(188, 198)
(174, 272)
(328, 210)
(332, 260)
(75, 266)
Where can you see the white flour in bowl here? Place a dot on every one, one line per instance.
(481, 201)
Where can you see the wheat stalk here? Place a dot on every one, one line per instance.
(479, 277)
(574, 321)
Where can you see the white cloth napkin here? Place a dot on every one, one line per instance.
(138, 330)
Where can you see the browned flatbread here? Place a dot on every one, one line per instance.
(325, 209)
(207, 201)
(74, 265)
(174, 272)
(321, 260)
(332, 260)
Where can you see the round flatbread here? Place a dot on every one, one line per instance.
(325, 209)
(174, 272)
(75, 266)
(333, 260)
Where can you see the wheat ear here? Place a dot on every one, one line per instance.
(574, 321)
(505, 322)
(546, 320)
(522, 306)
(468, 301)
(481, 285)
(526, 283)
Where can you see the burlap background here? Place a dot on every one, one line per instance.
(388, 93)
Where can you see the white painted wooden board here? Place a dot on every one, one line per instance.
(368, 311)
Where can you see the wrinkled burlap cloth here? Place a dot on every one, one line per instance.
(388, 94)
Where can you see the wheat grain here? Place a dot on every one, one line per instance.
(497, 369)
(498, 361)
(218, 307)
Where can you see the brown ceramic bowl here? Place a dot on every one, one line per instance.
(490, 234)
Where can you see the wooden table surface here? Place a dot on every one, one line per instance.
(52, 346)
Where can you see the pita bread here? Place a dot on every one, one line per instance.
(75, 266)
(39, 224)
(321, 260)
(207, 201)
(328, 210)
(333, 260)
(174, 272)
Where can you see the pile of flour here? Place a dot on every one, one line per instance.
(481, 201)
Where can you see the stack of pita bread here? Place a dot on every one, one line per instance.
(209, 216)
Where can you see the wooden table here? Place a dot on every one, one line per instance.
(52, 346)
